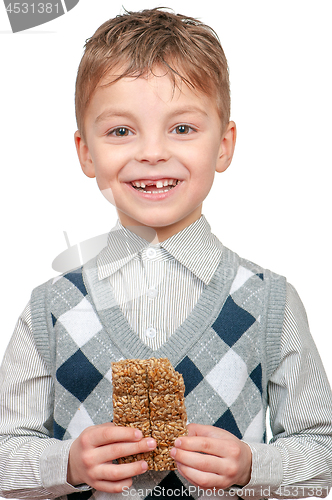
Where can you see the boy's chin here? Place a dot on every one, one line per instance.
(147, 233)
(150, 220)
(155, 229)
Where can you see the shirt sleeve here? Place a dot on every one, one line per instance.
(297, 462)
(26, 407)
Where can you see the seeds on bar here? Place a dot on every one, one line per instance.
(149, 395)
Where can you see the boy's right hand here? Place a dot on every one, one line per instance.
(92, 453)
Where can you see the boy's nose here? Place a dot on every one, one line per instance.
(152, 150)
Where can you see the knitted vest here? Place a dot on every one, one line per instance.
(226, 350)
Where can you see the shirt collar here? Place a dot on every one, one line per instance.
(195, 247)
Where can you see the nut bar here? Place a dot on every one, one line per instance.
(149, 395)
(131, 401)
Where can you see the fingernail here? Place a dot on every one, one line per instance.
(151, 443)
(177, 442)
(173, 452)
(138, 434)
(144, 466)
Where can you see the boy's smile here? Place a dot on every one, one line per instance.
(154, 150)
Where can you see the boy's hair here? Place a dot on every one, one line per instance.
(135, 42)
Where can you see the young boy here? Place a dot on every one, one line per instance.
(152, 104)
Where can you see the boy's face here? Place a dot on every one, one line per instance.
(154, 150)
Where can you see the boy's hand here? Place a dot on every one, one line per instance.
(92, 453)
(211, 457)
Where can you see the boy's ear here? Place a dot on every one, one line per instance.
(227, 146)
(84, 155)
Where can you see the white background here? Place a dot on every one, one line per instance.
(272, 206)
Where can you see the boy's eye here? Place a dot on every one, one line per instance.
(182, 129)
(119, 132)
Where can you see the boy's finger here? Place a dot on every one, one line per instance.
(113, 486)
(103, 434)
(207, 430)
(204, 480)
(207, 445)
(198, 461)
(121, 472)
(112, 451)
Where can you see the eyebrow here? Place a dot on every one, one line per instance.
(189, 109)
(110, 112)
(114, 112)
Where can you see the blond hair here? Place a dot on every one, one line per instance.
(138, 41)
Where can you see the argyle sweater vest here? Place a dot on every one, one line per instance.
(226, 350)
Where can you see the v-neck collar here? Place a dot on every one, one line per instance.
(201, 317)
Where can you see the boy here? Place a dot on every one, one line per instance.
(152, 104)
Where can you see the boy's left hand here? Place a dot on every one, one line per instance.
(211, 457)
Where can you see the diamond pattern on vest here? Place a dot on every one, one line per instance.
(256, 377)
(77, 279)
(223, 373)
(228, 377)
(191, 374)
(80, 421)
(78, 376)
(58, 431)
(242, 275)
(204, 405)
(232, 322)
(253, 432)
(66, 294)
(81, 322)
(227, 421)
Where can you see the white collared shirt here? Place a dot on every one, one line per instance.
(158, 285)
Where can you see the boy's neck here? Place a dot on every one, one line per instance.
(163, 232)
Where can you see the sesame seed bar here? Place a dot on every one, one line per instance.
(149, 395)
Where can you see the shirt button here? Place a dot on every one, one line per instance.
(150, 332)
(151, 253)
(152, 293)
